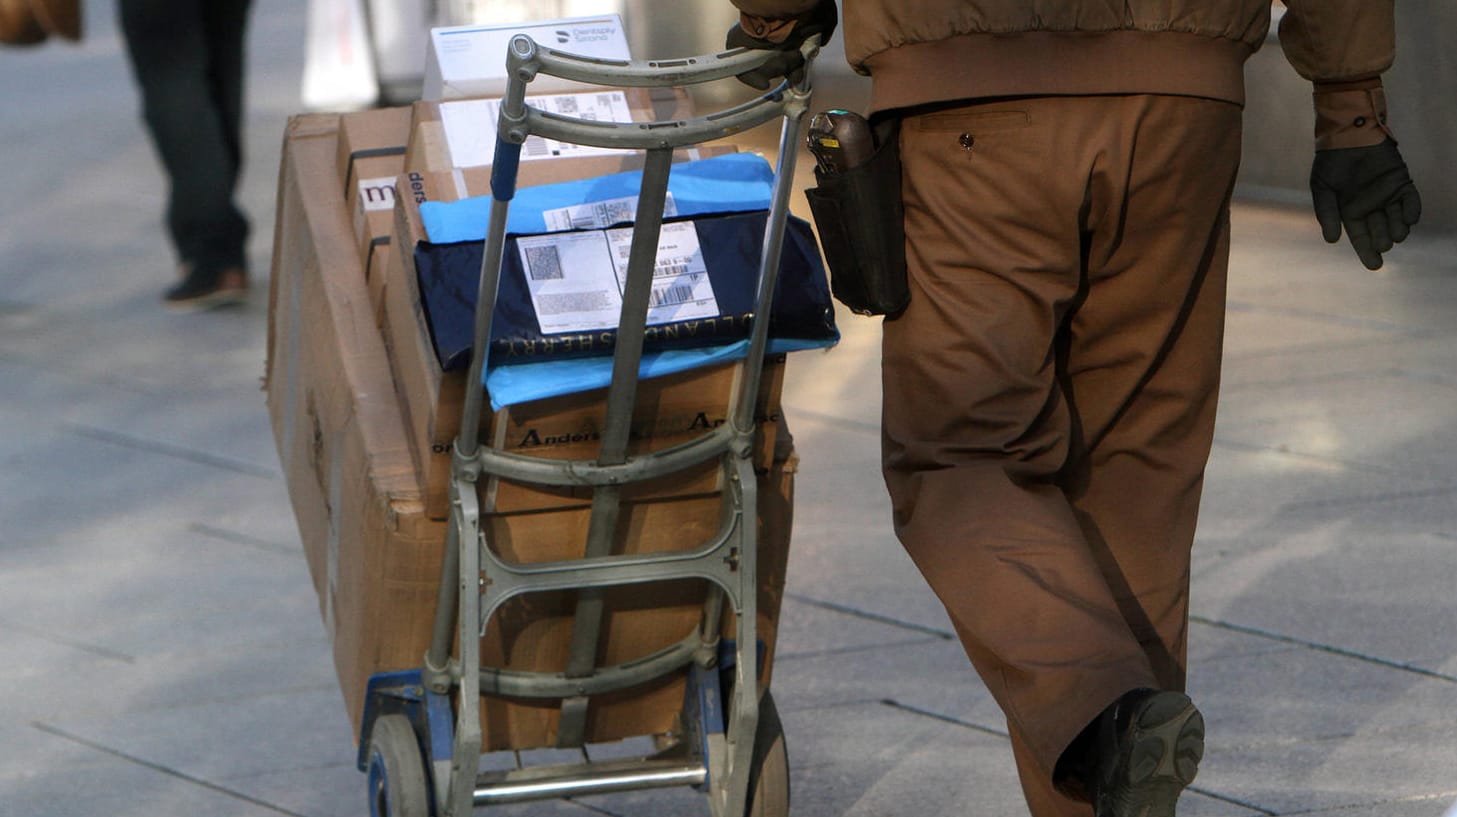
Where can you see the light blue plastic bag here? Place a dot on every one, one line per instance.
(732, 183)
(510, 385)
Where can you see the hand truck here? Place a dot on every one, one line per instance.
(421, 737)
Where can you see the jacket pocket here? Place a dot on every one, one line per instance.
(974, 122)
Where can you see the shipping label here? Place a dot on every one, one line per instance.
(576, 280)
(681, 290)
(599, 215)
(470, 126)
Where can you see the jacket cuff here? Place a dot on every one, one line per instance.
(1350, 115)
(775, 9)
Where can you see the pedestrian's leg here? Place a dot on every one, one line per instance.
(1143, 378)
(226, 23)
(169, 56)
(1043, 798)
(977, 428)
(1141, 369)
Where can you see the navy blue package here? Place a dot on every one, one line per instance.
(730, 248)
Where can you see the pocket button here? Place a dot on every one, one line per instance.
(966, 140)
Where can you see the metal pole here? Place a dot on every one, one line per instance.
(437, 660)
(510, 136)
(621, 398)
(795, 108)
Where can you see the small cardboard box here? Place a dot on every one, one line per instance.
(465, 62)
(371, 156)
(373, 553)
(372, 146)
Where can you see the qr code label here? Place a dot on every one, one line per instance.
(543, 263)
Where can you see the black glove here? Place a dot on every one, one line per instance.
(1369, 192)
(784, 36)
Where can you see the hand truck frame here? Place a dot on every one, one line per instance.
(421, 753)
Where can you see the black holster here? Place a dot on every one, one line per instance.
(861, 225)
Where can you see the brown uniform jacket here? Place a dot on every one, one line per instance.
(925, 51)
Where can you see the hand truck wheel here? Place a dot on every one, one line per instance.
(396, 770)
(769, 776)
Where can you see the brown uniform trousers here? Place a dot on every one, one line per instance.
(1050, 391)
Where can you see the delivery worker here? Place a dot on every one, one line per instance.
(188, 57)
(1049, 392)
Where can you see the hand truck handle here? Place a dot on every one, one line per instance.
(525, 58)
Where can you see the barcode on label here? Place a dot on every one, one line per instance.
(665, 270)
(670, 296)
(619, 210)
(536, 146)
(566, 104)
(603, 214)
(543, 263)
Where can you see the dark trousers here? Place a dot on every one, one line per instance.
(1050, 392)
(187, 56)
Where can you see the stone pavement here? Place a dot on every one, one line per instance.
(161, 651)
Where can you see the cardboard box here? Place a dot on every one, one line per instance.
(432, 398)
(373, 553)
(465, 62)
(461, 134)
(370, 158)
(371, 144)
(535, 632)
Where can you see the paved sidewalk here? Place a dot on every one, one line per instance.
(161, 651)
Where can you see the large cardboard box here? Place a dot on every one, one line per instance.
(373, 552)
(673, 409)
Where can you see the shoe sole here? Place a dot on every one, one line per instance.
(212, 300)
(1167, 743)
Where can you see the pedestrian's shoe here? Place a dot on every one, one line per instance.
(1149, 745)
(205, 289)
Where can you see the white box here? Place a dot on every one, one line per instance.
(469, 62)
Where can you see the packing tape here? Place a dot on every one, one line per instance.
(374, 243)
(370, 153)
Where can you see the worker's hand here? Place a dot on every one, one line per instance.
(785, 37)
(1367, 191)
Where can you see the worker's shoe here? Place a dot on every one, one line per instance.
(203, 288)
(1149, 744)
